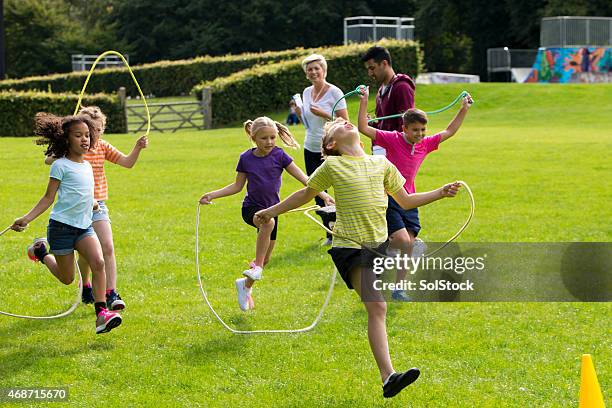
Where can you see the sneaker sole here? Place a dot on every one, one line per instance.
(246, 307)
(248, 275)
(110, 325)
(408, 378)
(117, 305)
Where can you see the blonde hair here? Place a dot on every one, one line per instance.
(96, 115)
(251, 127)
(315, 58)
(328, 137)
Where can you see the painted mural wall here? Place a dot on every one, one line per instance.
(572, 65)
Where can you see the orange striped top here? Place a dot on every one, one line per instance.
(103, 151)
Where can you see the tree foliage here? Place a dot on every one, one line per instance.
(41, 34)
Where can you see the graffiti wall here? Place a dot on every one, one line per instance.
(573, 65)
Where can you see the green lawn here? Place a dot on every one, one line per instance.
(538, 160)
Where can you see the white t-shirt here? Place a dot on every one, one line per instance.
(313, 123)
(75, 195)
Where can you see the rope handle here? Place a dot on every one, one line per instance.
(361, 89)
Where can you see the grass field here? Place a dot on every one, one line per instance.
(538, 160)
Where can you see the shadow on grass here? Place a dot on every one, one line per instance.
(222, 345)
(23, 348)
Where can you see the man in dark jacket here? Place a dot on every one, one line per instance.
(395, 93)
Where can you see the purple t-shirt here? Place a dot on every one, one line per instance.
(264, 175)
(405, 156)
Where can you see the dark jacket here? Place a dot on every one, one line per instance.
(397, 98)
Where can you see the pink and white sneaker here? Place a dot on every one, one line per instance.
(107, 320)
(254, 273)
(38, 250)
(242, 294)
(250, 300)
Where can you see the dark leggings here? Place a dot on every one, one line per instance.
(312, 160)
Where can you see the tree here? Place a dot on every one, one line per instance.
(42, 34)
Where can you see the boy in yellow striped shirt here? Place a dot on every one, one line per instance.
(361, 184)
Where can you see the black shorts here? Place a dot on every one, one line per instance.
(347, 259)
(249, 212)
(398, 218)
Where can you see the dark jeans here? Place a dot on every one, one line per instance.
(312, 160)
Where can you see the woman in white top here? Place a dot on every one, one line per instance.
(318, 101)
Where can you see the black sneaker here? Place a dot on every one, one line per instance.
(87, 295)
(114, 302)
(399, 381)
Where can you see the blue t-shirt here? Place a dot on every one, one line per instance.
(75, 195)
(264, 175)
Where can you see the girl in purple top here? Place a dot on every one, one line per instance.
(261, 168)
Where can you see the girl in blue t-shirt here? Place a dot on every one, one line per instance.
(71, 178)
(261, 168)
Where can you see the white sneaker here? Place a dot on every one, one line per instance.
(419, 248)
(250, 300)
(242, 294)
(253, 273)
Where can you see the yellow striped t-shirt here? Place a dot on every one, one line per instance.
(361, 185)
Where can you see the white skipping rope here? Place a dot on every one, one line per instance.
(306, 211)
(57, 316)
(266, 331)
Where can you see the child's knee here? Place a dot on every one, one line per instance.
(269, 225)
(376, 308)
(401, 240)
(97, 264)
(108, 248)
(67, 279)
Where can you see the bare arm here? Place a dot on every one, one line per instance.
(130, 160)
(43, 205)
(295, 200)
(408, 201)
(50, 159)
(343, 113)
(362, 120)
(299, 175)
(228, 190)
(455, 124)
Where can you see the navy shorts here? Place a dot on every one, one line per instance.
(63, 237)
(347, 259)
(249, 212)
(398, 218)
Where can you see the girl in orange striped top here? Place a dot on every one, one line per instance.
(104, 151)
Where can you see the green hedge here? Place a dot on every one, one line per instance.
(17, 110)
(162, 78)
(264, 88)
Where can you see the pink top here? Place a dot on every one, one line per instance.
(405, 156)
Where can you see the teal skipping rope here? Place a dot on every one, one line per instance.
(360, 89)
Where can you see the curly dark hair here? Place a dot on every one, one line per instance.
(95, 113)
(54, 130)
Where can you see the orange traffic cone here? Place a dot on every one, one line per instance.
(590, 393)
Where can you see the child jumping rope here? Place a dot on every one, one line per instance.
(71, 178)
(407, 150)
(261, 169)
(361, 184)
(97, 156)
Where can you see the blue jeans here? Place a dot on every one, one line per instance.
(63, 237)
